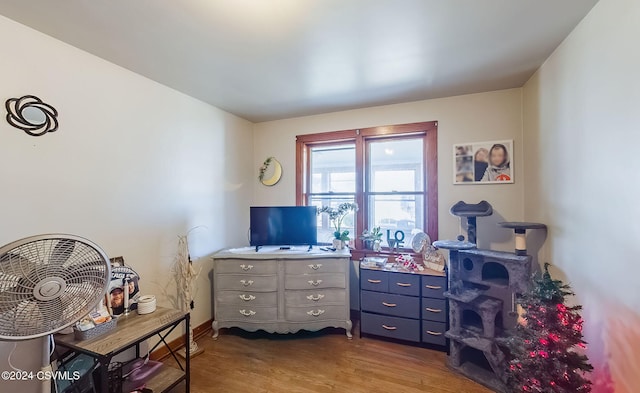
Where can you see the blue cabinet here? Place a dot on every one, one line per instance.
(403, 305)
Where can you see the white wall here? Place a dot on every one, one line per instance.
(470, 118)
(133, 165)
(581, 117)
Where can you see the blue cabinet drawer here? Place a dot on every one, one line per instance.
(433, 333)
(434, 286)
(392, 327)
(390, 304)
(434, 309)
(404, 284)
(374, 280)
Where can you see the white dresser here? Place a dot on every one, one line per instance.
(281, 291)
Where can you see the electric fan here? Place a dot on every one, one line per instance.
(47, 283)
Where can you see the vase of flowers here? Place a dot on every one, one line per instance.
(336, 216)
(372, 239)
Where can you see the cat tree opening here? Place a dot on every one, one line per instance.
(472, 321)
(475, 357)
(495, 273)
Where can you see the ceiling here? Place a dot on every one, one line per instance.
(272, 59)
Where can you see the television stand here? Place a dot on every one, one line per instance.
(281, 292)
(258, 247)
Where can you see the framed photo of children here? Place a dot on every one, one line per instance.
(483, 162)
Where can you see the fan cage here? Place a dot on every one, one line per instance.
(48, 283)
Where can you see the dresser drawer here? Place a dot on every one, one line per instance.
(392, 327)
(246, 313)
(374, 280)
(253, 267)
(390, 304)
(319, 280)
(311, 297)
(433, 332)
(244, 282)
(317, 313)
(304, 266)
(247, 298)
(434, 309)
(433, 286)
(404, 284)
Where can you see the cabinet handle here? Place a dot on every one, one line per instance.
(246, 283)
(434, 333)
(402, 284)
(246, 313)
(389, 304)
(315, 313)
(432, 287)
(315, 266)
(374, 281)
(389, 327)
(433, 309)
(247, 298)
(314, 283)
(246, 267)
(315, 298)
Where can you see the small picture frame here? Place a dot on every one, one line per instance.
(483, 162)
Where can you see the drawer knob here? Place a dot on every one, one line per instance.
(389, 327)
(314, 283)
(246, 313)
(433, 287)
(246, 283)
(374, 281)
(315, 313)
(403, 284)
(315, 298)
(389, 304)
(246, 267)
(434, 333)
(247, 298)
(315, 266)
(433, 309)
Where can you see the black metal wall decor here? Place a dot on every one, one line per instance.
(31, 115)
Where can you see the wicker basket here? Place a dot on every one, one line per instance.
(96, 331)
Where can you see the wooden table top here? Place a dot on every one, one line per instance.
(129, 330)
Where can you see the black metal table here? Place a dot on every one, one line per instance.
(132, 330)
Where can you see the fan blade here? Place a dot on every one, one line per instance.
(8, 301)
(62, 251)
(14, 267)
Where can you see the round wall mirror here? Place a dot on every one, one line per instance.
(270, 172)
(34, 115)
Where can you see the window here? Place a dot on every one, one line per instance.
(391, 172)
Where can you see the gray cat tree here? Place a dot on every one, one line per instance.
(483, 285)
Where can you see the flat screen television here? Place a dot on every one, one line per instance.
(283, 226)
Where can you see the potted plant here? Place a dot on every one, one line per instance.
(372, 239)
(337, 215)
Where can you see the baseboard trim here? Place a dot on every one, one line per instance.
(163, 352)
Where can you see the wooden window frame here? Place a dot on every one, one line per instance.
(429, 130)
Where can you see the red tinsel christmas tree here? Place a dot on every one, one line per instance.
(542, 349)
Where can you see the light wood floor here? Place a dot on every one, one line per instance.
(241, 362)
